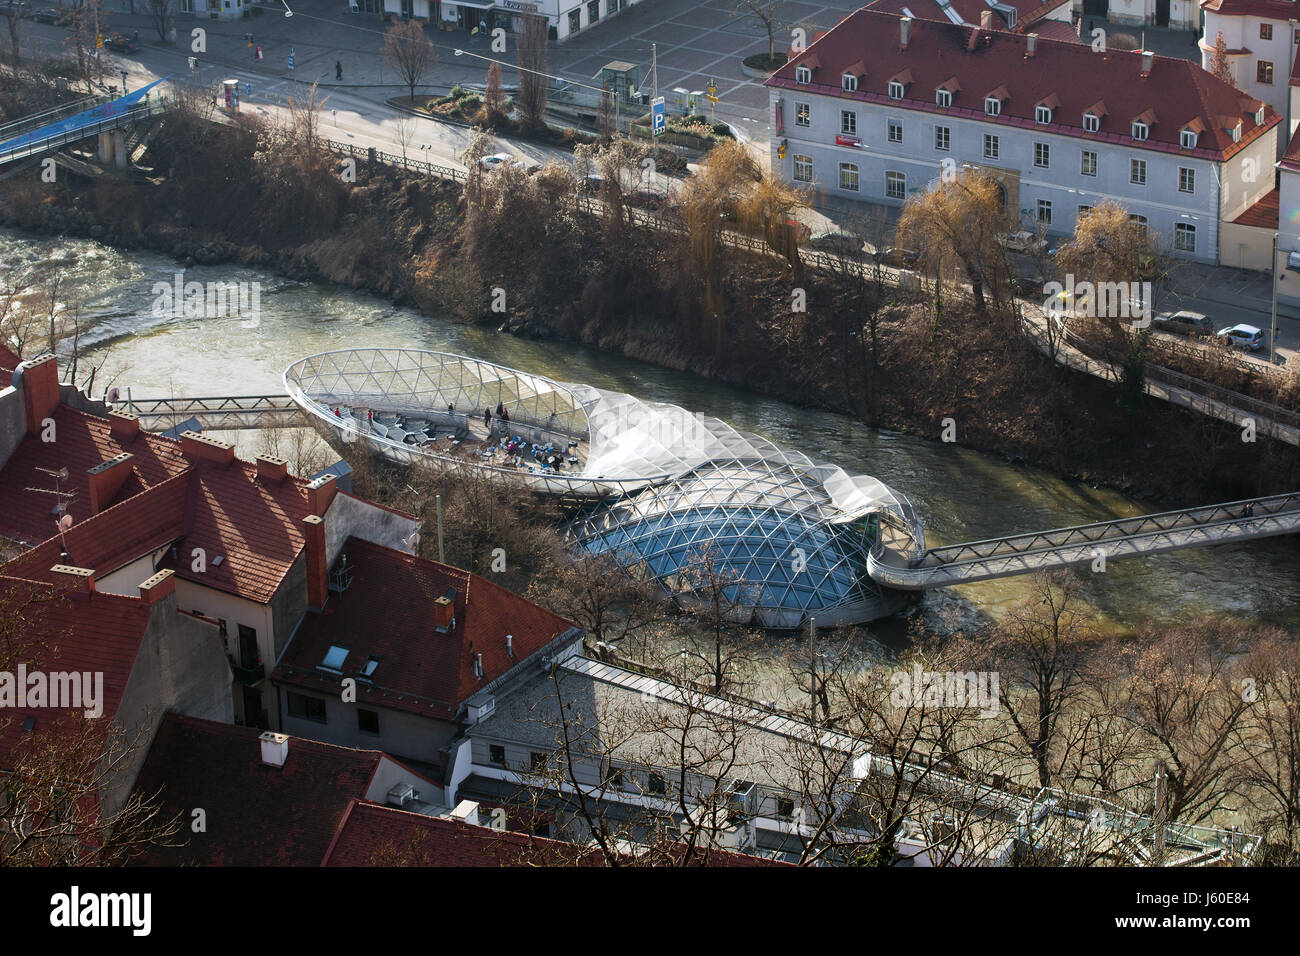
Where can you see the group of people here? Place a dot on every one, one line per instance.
(502, 414)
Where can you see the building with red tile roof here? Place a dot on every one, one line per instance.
(874, 109)
(268, 799)
(1016, 16)
(1261, 38)
(135, 656)
(418, 638)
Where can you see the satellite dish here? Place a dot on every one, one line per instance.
(65, 522)
(113, 393)
(413, 542)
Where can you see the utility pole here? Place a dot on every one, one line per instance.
(442, 556)
(1272, 321)
(812, 666)
(1158, 844)
(654, 74)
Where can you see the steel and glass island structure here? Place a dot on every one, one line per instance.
(684, 498)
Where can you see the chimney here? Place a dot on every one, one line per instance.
(317, 568)
(1031, 44)
(74, 579)
(272, 469)
(158, 587)
(40, 382)
(123, 426)
(1148, 61)
(320, 494)
(275, 748)
(198, 447)
(444, 615)
(510, 644)
(106, 480)
(904, 32)
(986, 19)
(466, 812)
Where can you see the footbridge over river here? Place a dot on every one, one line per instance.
(1023, 553)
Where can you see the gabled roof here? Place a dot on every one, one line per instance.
(1177, 90)
(1281, 10)
(256, 815)
(1264, 213)
(254, 526)
(1291, 158)
(82, 441)
(1029, 13)
(65, 630)
(374, 835)
(388, 612)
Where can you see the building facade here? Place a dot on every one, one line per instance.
(565, 18)
(1261, 38)
(883, 107)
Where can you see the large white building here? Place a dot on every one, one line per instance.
(1261, 38)
(880, 106)
(564, 17)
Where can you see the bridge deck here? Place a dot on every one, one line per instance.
(1148, 534)
(219, 412)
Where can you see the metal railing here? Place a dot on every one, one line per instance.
(75, 135)
(219, 412)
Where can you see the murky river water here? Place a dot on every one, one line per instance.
(960, 495)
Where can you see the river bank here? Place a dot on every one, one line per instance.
(563, 276)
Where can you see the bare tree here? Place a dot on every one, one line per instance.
(410, 53)
(13, 17)
(765, 11)
(494, 96)
(531, 59)
(160, 15)
(599, 595)
(404, 133)
(1267, 753)
(1220, 65)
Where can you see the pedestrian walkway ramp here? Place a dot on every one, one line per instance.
(1024, 553)
(53, 129)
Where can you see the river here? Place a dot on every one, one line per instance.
(960, 494)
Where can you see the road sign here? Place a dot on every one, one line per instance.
(711, 98)
(659, 119)
(291, 58)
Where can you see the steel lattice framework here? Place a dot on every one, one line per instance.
(789, 537)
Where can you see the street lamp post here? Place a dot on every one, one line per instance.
(1272, 319)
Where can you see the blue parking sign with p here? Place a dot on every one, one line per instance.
(658, 117)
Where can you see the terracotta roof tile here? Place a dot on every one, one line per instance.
(1262, 213)
(81, 442)
(68, 631)
(1176, 90)
(388, 612)
(257, 815)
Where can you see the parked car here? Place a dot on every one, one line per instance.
(652, 199)
(1026, 286)
(1023, 241)
(47, 15)
(121, 43)
(894, 256)
(1243, 337)
(495, 160)
(840, 243)
(1184, 322)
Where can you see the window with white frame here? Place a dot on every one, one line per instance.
(1187, 139)
(1088, 163)
(1184, 237)
(1264, 72)
(1236, 133)
(895, 90)
(1259, 116)
(895, 185)
(991, 146)
(1042, 155)
(1140, 130)
(1083, 212)
(895, 131)
(943, 98)
(1139, 221)
(1091, 122)
(1042, 114)
(1137, 172)
(802, 114)
(992, 106)
(802, 75)
(849, 176)
(1045, 211)
(803, 168)
(848, 122)
(942, 137)
(1186, 180)
(849, 83)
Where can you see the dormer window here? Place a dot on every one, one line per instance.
(943, 98)
(1140, 130)
(992, 106)
(849, 83)
(895, 90)
(1091, 122)
(1187, 139)
(1259, 116)
(1236, 133)
(802, 75)
(1042, 114)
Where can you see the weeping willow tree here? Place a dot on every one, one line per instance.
(732, 191)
